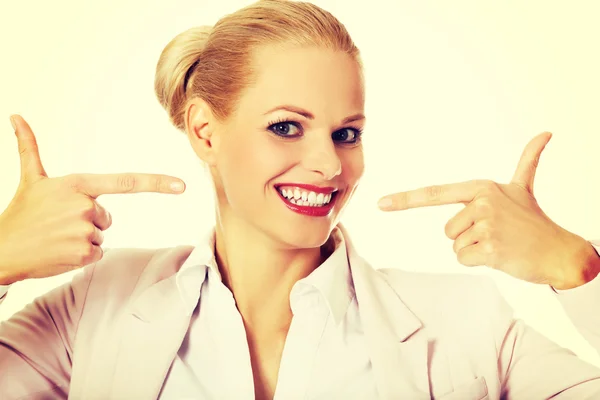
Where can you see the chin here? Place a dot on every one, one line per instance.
(306, 238)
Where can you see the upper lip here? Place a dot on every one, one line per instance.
(312, 188)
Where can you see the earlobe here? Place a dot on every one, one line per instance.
(199, 129)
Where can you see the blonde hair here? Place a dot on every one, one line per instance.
(214, 64)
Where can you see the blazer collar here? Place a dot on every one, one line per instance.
(398, 347)
(398, 322)
(139, 347)
(156, 298)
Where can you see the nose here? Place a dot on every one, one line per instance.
(321, 156)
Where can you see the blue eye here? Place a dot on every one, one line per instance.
(284, 128)
(346, 135)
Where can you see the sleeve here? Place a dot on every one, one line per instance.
(530, 365)
(36, 344)
(3, 291)
(582, 305)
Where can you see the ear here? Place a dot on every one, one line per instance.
(199, 124)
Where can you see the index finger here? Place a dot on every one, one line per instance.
(428, 196)
(94, 185)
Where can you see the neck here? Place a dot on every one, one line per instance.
(260, 272)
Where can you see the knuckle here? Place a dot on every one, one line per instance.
(98, 254)
(433, 192)
(87, 207)
(487, 186)
(73, 181)
(88, 231)
(98, 238)
(483, 206)
(126, 183)
(158, 184)
(489, 247)
(485, 228)
(84, 253)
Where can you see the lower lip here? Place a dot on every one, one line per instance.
(322, 211)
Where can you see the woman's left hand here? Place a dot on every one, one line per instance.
(503, 227)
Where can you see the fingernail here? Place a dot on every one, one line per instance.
(177, 186)
(13, 123)
(384, 202)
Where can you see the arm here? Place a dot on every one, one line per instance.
(531, 366)
(36, 344)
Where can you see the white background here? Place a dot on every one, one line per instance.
(454, 92)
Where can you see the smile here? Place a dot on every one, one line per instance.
(307, 199)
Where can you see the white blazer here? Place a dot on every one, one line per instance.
(113, 332)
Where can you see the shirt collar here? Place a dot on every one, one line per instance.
(193, 271)
(332, 279)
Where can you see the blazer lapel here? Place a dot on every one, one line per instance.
(399, 352)
(152, 335)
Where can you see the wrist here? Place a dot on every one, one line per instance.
(7, 266)
(581, 265)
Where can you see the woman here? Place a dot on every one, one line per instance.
(275, 302)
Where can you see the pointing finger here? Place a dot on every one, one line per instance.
(430, 196)
(95, 185)
(31, 164)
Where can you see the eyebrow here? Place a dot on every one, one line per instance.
(308, 115)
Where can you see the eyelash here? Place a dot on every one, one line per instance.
(357, 132)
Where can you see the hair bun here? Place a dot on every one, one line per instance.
(174, 68)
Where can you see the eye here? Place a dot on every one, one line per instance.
(285, 128)
(346, 135)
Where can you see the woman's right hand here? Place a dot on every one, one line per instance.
(54, 225)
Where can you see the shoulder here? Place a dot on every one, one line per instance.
(123, 273)
(422, 283)
(452, 301)
(460, 287)
(127, 264)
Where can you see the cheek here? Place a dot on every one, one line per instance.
(248, 161)
(353, 165)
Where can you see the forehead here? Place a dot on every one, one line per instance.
(328, 83)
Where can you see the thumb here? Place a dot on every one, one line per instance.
(525, 174)
(31, 164)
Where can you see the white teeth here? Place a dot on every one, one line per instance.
(305, 198)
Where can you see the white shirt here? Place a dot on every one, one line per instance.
(325, 354)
